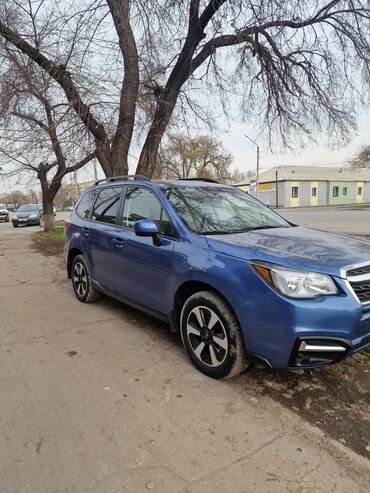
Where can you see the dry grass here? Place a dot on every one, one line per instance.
(49, 243)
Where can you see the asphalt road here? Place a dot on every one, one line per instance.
(344, 220)
(100, 398)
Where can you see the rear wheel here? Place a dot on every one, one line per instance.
(212, 336)
(81, 281)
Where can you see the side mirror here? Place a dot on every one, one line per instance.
(148, 228)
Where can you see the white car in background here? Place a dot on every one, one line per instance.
(4, 213)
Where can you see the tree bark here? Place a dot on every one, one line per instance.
(120, 10)
(47, 207)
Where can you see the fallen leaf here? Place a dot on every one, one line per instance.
(167, 381)
(335, 453)
(149, 485)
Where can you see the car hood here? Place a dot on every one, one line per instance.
(23, 215)
(296, 247)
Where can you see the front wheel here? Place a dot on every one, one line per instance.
(211, 335)
(81, 281)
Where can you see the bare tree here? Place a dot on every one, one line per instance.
(298, 67)
(15, 197)
(202, 157)
(238, 176)
(39, 130)
(362, 159)
(66, 196)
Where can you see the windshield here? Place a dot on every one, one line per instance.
(2, 206)
(28, 208)
(217, 210)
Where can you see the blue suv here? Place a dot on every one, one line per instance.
(237, 280)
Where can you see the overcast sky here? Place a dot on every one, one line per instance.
(321, 154)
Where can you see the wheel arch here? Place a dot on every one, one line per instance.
(187, 289)
(72, 254)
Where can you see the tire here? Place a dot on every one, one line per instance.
(7, 219)
(211, 336)
(15, 225)
(81, 281)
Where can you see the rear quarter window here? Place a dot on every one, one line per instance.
(85, 204)
(106, 205)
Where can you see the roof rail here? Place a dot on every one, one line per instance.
(110, 179)
(208, 180)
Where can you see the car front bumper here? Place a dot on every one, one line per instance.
(290, 333)
(26, 222)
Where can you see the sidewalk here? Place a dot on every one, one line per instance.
(100, 398)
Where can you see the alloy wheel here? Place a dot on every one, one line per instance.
(207, 336)
(80, 279)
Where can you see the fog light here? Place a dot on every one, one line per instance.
(310, 353)
(321, 348)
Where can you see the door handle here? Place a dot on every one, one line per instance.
(85, 231)
(118, 242)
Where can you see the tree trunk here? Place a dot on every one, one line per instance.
(48, 212)
(48, 195)
(148, 157)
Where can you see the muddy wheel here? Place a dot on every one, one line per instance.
(81, 281)
(211, 335)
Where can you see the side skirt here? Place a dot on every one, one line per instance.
(133, 303)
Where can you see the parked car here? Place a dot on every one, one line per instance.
(236, 279)
(4, 213)
(27, 215)
(10, 207)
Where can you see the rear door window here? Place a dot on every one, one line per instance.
(107, 205)
(141, 203)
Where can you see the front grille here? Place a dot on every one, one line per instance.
(362, 290)
(359, 279)
(359, 271)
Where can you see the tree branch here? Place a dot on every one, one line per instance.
(60, 74)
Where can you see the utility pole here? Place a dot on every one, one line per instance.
(257, 164)
(277, 188)
(95, 170)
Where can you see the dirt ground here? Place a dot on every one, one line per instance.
(336, 399)
(49, 243)
(101, 398)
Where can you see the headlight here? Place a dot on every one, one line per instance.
(296, 283)
(32, 216)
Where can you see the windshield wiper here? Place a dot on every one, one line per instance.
(266, 227)
(218, 232)
(236, 231)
